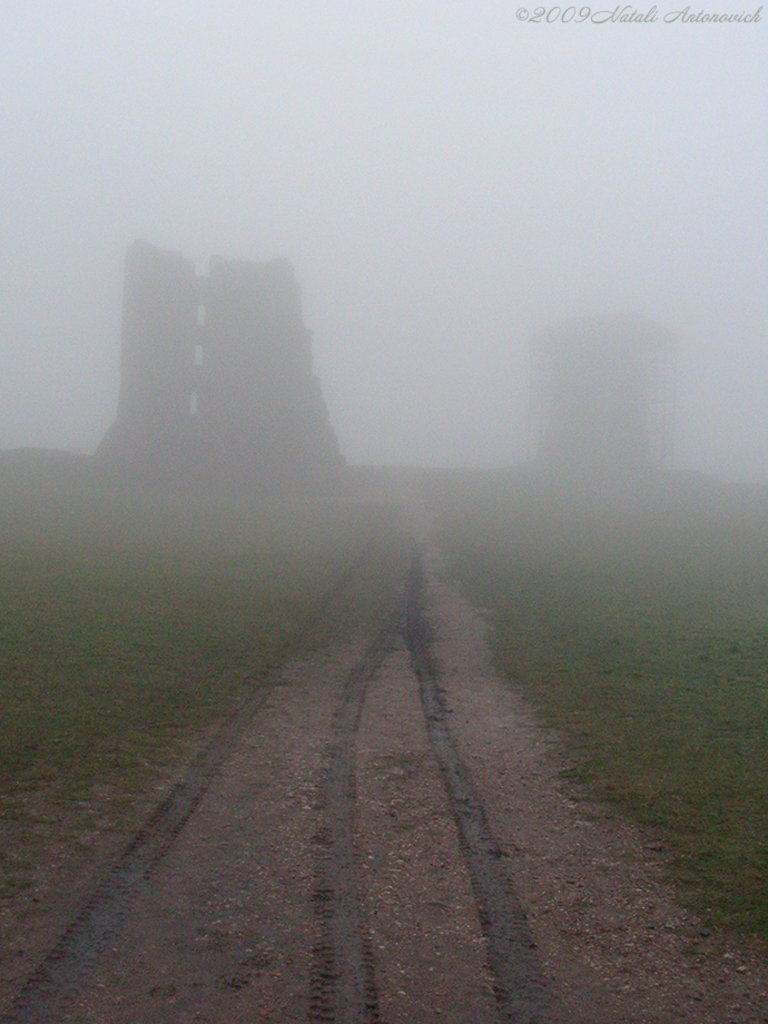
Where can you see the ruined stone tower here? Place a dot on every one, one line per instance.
(216, 382)
(602, 396)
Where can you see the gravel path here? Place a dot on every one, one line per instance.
(389, 840)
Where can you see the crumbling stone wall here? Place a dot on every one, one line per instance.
(216, 375)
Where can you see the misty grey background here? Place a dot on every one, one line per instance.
(445, 178)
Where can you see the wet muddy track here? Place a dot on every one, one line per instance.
(342, 985)
(102, 917)
(518, 983)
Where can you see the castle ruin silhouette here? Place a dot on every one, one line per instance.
(602, 396)
(216, 388)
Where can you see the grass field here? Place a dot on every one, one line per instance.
(639, 627)
(128, 627)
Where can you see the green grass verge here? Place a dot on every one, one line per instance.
(128, 627)
(641, 633)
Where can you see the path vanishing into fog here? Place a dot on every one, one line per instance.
(385, 836)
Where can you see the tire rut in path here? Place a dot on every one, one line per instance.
(518, 981)
(342, 983)
(101, 919)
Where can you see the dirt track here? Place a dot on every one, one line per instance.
(388, 839)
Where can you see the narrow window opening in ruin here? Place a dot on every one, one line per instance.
(201, 315)
(193, 404)
(198, 355)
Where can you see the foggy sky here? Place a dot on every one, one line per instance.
(446, 179)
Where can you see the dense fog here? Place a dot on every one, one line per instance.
(448, 179)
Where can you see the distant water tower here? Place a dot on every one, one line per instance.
(602, 396)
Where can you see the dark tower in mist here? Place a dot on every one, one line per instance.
(216, 381)
(602, 396)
